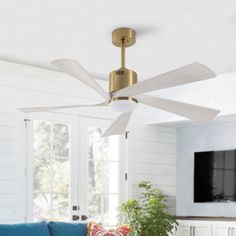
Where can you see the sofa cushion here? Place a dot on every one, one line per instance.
(30, 229)
(67, 229)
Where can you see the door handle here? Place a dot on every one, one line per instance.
(84, 217)
(75, 217)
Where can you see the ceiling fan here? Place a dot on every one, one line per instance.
(125, 93)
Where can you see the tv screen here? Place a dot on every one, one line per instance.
(215, 176)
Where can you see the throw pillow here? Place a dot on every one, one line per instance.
(95, 229)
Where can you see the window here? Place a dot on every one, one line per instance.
(51, 170)
(103, 168)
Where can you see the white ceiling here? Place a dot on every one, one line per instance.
(169, 34)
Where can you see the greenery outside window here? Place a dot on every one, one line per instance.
(51, 169)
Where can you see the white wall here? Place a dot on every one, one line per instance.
(11, 167)
(152, 157)
(221, 136)
(25, 86)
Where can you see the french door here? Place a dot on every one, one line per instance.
(73, 173)
(104, 170)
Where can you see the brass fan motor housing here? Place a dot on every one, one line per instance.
(121, 78)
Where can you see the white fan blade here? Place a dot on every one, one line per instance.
(39, 109)
(73, 68)
(183, 75)
(193, 112)
(119, 126)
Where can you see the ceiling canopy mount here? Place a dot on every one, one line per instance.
(123, 37)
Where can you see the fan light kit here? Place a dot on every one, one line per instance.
(125, 93)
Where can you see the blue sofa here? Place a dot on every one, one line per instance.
(44, 229)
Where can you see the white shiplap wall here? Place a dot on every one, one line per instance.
(25, 86)
(11, 167)
(152, 157)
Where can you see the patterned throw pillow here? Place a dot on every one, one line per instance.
(97, 230)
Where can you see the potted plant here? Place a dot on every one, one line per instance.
(148, 215)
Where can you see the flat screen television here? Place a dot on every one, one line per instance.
(215, 176)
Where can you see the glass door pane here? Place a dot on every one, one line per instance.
(51, 170)
(103, 177)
